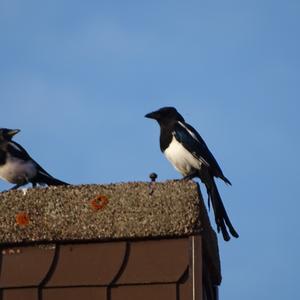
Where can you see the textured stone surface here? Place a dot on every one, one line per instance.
(132, 211)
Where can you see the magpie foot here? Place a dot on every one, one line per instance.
(16, 186)
(190, 176)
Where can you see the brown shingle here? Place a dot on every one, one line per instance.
(87, 264)
(145, 292)
(78, 293)
(162, 261)
(25, 266)
(24, 294)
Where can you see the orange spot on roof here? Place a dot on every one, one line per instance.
(22, 219)
(99, 202)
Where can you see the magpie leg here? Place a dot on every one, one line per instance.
(190, 176)
(16, 186)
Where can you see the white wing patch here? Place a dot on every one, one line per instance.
(45, 174)
(195, 138)
(189, 131)
(15, 146)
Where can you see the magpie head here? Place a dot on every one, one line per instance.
(7, 134)
(165, 115)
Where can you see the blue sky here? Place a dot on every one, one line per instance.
(78, 76)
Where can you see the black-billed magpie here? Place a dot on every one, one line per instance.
(188, 153)
(17, 167)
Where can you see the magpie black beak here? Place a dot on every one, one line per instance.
(152, 115)
(13, 132)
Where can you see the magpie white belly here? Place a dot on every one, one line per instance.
(17, 171)
(182, 160)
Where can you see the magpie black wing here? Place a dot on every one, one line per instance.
(193, 142)
(18, 151)
(3, 155)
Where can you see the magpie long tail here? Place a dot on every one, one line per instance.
(43, 178)
(221, 217)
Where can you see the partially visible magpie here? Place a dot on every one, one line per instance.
(188, 153)
(17, 167)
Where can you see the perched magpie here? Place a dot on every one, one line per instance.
(188, 153)
(17, 167)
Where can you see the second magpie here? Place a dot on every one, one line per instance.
(17, 167)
